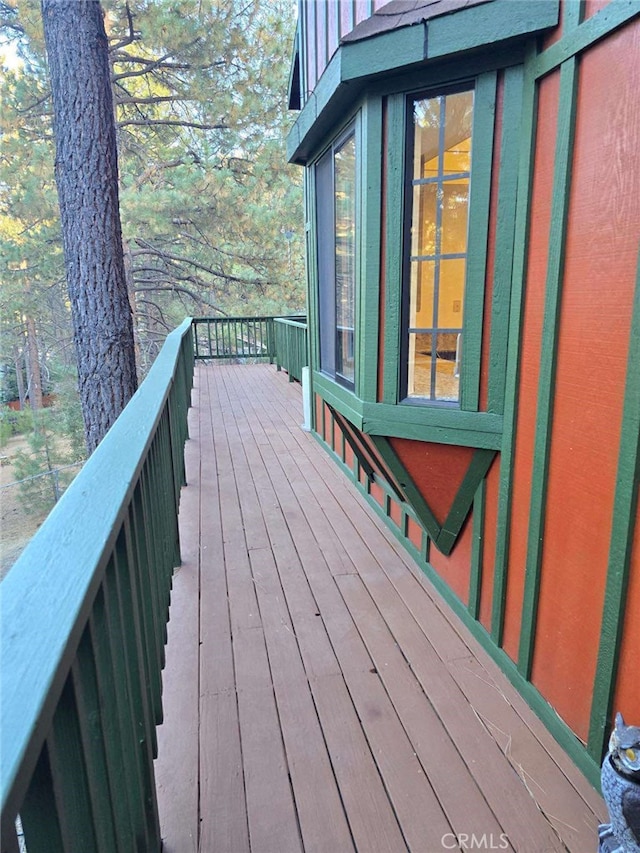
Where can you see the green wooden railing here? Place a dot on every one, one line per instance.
(291, 345)
(234, 338)
(83, 626)
(280, 339)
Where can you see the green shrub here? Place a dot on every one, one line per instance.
(14, 423)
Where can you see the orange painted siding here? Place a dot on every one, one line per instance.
(319, 408)
(590, 380)
(593, 6)
(349, 458)
(436, 469)
(414, 533)
(377, 494)
(530, 357)
(328, 427)
(455, 569)
(337, 439)
(489, 543)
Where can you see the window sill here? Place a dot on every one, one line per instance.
(440, 424)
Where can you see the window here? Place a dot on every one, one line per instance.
(437, 205)
(336, 228)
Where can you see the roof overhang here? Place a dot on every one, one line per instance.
(471, 29)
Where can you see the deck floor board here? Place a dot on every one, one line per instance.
(318, 694)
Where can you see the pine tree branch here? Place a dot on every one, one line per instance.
(150, 64)
(170, 123)
(129, 39)
(153, 99)
(173, 288)
(148, 249)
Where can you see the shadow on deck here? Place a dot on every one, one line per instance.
(318, 694)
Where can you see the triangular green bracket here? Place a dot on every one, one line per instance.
(443, 535)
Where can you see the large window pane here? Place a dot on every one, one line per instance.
(420, 349)
(422, 289)
(441, 163)
(326, 263)
(451, 293)
(345, 249)
(455, 206)
(425, 204)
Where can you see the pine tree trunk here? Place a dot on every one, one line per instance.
(87, 181)
(18, 357)
(35, 377)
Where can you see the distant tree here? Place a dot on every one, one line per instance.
(210, 210)
(87, 181)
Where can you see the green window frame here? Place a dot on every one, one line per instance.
(438, 174)
(400, 191)
(336, 184)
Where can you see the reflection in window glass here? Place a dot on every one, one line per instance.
(439, 213)
(345, 249)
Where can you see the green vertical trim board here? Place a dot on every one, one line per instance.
(622, 535)
(475, 580)
(410, 490)
(444, 535)
(572, 15)
(394, 215)
(505, 234)
(368, 290)
(463, 500)
(521, 244)
(546, 384)
(484, 113)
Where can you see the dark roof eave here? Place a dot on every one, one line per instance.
(405, 13)
(490, 27)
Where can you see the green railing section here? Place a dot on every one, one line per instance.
(234, 338)
(82, 629)
(280, 339)
(291, 345)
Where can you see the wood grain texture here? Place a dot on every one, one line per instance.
(599, 290)
(517, 467)
(338, 702)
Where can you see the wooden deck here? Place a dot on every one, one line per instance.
(318, 694)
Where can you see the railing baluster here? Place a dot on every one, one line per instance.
(152, 528)
(9, 837)
(90, 718)
(149, 611)
(129, 719)
(127, 670)
(122, 775)
(195, 328)
(175, 478)
(39, 811)
(68, 772)
(140, 671)
(256, 337)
